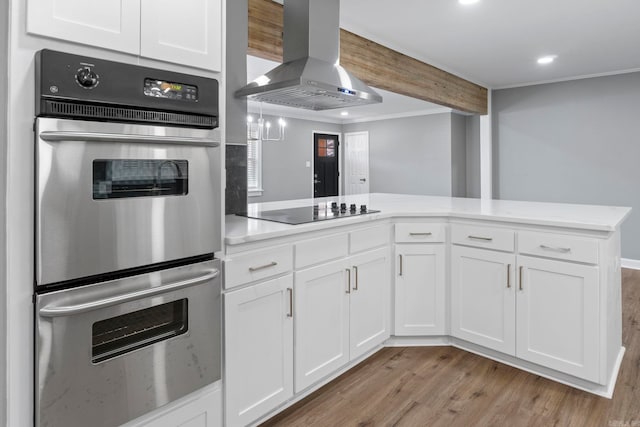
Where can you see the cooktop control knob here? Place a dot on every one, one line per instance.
(334, 206)
(352, 208)
(363, 208)
(343, 207)
(87, 78)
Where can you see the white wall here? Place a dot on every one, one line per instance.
(19, 200)
(409, 155)
(4, 66)
(573, 142)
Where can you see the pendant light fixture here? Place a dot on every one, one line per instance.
(260, 130)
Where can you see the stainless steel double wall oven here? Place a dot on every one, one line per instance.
(128, 217)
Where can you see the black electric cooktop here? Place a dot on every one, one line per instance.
(307, 214)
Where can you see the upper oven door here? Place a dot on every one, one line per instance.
(114, 196)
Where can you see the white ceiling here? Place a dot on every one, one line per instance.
(494, 43)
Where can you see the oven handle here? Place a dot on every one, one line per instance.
(56, 136)
(64, 311)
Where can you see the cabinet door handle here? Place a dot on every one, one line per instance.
(355, 270)
(486, 239)
(556, 249)
(262, 267)
(508, 276)
(520, 278)
(420, 234)
(400, 264)
(348, 270)
(290, 313)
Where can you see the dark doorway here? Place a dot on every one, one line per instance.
(325, 165)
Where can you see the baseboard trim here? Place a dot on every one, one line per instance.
(633, 264)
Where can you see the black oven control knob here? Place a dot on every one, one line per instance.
(352, 208)
(343, 207)
(87, 78)
(363, 208)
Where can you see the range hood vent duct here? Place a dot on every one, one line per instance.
(310, 76)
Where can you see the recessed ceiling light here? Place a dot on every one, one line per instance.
(344, 113)
(466, 2)
(547, 59)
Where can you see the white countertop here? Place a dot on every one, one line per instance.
(586, 217)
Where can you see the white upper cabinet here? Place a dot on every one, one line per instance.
(112, 24)
(187, 32)
(184, 32)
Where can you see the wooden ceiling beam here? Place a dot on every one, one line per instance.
(373, 63)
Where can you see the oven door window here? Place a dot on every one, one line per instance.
(123, 178)
(128, 332)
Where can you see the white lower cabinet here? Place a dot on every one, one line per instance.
(322, 322)
(540, 310)
(420, 290)
(258, 349)
(483, 305)
(341, 313)
(370, 301)
(557, 321)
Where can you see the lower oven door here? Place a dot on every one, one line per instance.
(115, 196)
(110, 352)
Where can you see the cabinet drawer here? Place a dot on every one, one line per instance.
(257, 265)
(420, 233)
(369, 238)
(315, 251)
(483, 237)
(559, 246)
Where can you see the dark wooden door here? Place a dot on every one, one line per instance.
(325, 165)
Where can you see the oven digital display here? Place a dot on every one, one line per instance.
(170, 90)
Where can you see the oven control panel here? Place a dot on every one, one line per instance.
(170, 90)
(119, 91)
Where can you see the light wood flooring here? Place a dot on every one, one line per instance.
(444, 386)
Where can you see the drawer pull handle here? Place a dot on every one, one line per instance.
(262, 267)
(556, 249)
(520, 277)
(348, 270)
(420, 234)
(400, 264)
(290, 313)
(508, 276)
(355, 270)
(485, 239)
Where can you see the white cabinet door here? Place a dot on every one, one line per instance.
(370, 301)
(186, 32)
(420, 290)
(258, 349)
(322, 322)
(557, 316)
(482, 297)
(111, 24)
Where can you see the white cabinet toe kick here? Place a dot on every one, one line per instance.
(546, 300)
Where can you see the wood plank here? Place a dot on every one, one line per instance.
(373, 63)
(445, 386)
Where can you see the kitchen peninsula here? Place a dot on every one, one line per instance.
(532, 285)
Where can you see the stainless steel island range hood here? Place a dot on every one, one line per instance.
(310, 76)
